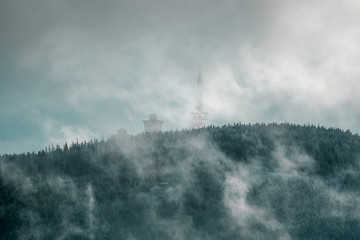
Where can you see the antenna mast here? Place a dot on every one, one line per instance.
(199, 117)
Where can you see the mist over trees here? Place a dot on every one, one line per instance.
(262, 181)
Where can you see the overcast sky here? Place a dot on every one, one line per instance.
(84, 69)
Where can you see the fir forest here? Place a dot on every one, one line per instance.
(256, 181)
(179, 120)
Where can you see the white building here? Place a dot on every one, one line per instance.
(153, 124)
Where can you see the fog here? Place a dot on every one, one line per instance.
(181, 185)
(85, 69)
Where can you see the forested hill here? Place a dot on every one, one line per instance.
(275, 181)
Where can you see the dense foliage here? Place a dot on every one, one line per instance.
(275, 181)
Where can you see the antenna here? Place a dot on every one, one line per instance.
(199, 117)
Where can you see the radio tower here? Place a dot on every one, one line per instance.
(199, 117)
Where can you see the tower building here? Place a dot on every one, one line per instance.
(153, 124)
(199, 117)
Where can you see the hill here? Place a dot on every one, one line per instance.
(262, 181)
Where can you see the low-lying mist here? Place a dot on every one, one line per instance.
(232, 182)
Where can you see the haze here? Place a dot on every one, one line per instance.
(84, 69)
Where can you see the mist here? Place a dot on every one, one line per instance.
(230, 182)
(83, 70)
(277, 158)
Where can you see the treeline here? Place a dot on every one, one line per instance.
(180, 185)
(331, 148)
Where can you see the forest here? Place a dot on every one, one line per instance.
(237, 181)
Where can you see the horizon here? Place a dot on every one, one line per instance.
(53, 146)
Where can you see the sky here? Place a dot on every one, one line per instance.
(81, 69)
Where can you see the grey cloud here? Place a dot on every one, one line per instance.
(262, 61)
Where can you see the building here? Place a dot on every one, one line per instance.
(153, 124)
(121, 134)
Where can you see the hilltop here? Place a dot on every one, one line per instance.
(261, 181)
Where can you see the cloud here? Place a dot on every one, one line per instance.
(58, 133)
(109, 65)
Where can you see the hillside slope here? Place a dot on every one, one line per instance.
(276, 181)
